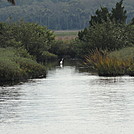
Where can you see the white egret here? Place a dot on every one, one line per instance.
(61, 62)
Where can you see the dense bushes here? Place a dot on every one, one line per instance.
(34, 38)
(31, 68)
(64, 48)
(10, 71)
(106, 36)
(15, 68)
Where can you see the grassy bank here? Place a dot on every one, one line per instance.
(112, 64)
(16, 65)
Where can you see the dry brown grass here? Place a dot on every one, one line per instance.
(109, 66)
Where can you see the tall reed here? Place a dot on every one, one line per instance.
(109, 66)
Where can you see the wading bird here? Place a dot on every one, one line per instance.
(61, 62)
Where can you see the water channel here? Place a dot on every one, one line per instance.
(68, 101)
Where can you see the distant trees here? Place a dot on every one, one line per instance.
(118, 14)
(65, 14)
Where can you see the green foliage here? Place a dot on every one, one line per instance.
(21, 52)
(118, 14)
(9, 70)
(31, 68)
(13, 67)
(48, 56)
(105, 36)
(125, 53)
(107, 31)
(58, 14)
(34, 38)
(63, 49)
(101, 16)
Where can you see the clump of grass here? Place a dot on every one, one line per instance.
(109, 66)
(125, 53)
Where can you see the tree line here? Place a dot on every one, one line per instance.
(58, 14)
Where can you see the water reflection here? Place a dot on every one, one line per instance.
(9, 101)
(113, 80)
(68, 102)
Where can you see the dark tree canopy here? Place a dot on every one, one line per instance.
(62, 14)
(118, 13)
(101, 16)
(107, 31)
(11, 1)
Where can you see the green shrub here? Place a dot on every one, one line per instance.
(13, 67)
(31, 68)
(106, 36)
(32, 37)
(48, 56)
(10, 71)
(64, 48)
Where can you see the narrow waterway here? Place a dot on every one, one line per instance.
(68, 101)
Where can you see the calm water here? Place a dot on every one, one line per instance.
(68, 101)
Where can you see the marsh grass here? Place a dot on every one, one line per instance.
(107, 65)
(125, 53)
(16, 68)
